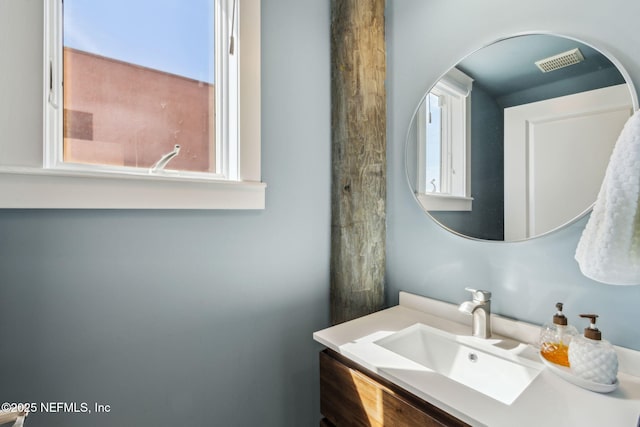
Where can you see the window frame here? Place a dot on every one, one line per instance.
(30, 179)
(454, 92)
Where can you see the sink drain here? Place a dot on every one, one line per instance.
(473, 357)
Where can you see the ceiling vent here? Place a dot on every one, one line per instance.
(560, 60)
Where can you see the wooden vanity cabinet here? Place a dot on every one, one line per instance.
(352, 396)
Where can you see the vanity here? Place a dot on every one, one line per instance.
(375, 372)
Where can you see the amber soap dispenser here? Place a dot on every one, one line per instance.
(556, 337)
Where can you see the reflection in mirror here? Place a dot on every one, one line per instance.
(513, 142)
(443, 134)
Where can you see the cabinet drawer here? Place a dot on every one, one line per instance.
(351, 396)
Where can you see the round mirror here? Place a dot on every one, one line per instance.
(513, 142)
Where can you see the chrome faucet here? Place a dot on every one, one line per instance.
(480, 309)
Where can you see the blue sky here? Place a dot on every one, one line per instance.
(175, 36)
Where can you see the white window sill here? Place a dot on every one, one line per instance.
(444, 202)
(24, 183)
(25, 187)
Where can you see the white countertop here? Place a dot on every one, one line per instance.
(549, 399)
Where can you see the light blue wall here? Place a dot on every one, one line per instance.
(186, 318)
(424, 39)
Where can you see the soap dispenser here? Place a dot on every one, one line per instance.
(591, 357)
(556, 337)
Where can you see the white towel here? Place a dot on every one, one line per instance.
(609, 249)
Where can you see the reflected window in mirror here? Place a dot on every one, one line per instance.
(433, 144)
(443, 145)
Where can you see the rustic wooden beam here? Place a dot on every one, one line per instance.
(358, 122)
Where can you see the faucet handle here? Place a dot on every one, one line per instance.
(479, 295)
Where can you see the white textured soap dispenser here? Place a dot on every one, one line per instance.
(592, 358)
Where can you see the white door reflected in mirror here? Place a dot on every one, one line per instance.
(556, 157)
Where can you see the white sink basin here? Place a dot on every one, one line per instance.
(483, 365)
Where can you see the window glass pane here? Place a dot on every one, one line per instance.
(434, 144)
(139, 79)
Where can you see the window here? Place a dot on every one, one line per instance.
(434, 143)
(443, 144)
(146, 110)
(153, 87)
